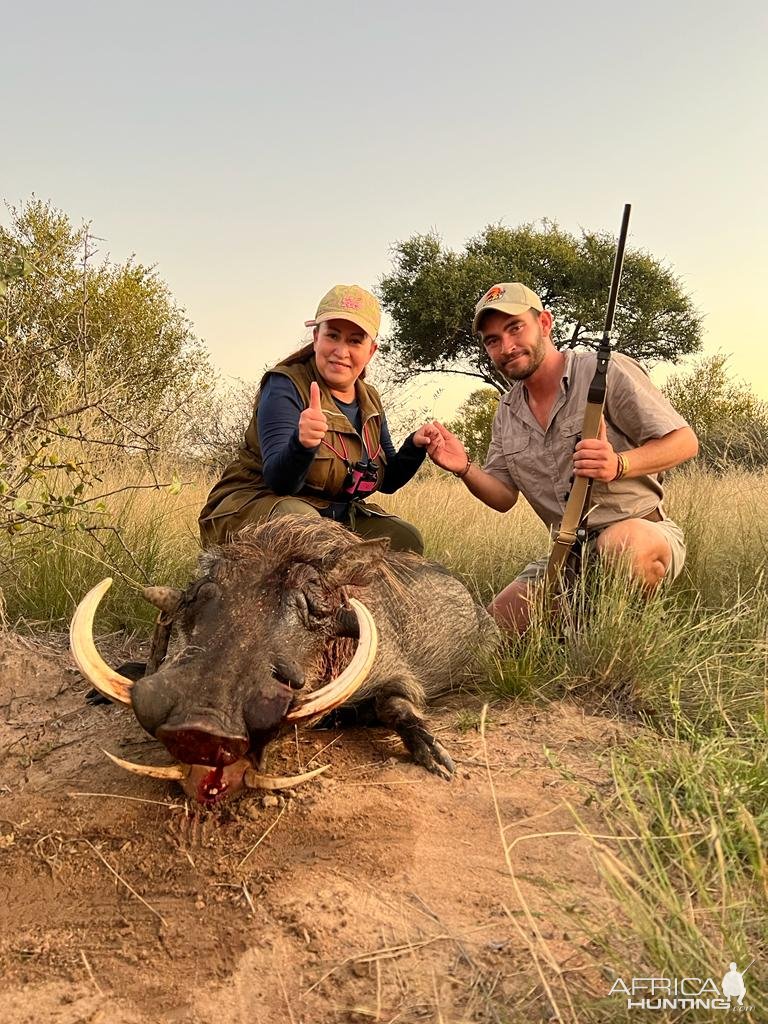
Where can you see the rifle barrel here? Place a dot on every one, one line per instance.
(618, 265)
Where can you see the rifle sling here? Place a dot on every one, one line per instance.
(573, 517)
(574, 509)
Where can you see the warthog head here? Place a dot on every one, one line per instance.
(257, 629)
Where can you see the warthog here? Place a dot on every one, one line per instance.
(262, 629)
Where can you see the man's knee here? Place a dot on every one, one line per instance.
(640, 547)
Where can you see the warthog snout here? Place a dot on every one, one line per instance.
(208, 734)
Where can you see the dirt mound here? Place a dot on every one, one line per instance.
(377, 892)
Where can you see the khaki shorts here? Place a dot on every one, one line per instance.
(535, 571)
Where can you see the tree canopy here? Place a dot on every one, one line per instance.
(432, 291)
(730, 421)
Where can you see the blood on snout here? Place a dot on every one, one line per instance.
(197, 744)
(211, 785)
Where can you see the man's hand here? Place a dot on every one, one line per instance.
(446, 450)
(312, 422)
(595, 457)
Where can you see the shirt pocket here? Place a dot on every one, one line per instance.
(570, 431)
(515, 448)
(567, 436)
(325, 471)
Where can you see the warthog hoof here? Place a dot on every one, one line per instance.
(431, 754)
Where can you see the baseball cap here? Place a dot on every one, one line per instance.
(509, 297)
(349, 302)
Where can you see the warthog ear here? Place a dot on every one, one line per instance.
(357, 566)
(165, 598)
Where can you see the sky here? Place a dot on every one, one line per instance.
(258, 153)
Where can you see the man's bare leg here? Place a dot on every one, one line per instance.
(644, 549)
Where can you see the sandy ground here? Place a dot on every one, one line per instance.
(377, 893)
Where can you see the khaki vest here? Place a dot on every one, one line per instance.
(242, 495)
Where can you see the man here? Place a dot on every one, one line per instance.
(535, 447)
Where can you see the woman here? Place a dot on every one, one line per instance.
(318, 442)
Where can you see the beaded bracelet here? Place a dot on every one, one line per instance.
(622, 466)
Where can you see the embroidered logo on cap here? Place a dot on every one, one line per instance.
(494, 293)
(351, 302)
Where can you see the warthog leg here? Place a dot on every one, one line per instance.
(400, 714)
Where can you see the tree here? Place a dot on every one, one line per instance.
(474, 420)
(96, 360)
(106, 327)
(431, 294)
(218, 422)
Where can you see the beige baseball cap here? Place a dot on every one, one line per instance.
(509, 297)
(349, 302)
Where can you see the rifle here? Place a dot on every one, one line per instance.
(573, 525)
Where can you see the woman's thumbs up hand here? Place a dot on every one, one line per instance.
(312, 422)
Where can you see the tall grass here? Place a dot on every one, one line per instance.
(723, 518)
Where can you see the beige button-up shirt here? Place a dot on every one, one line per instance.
(538, 462)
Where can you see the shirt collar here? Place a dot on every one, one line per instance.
(570, 355)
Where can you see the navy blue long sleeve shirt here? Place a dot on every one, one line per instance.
(286, 462)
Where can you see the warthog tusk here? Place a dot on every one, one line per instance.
(176, 772)
(251, 778)
(351, 679)
(255, 780)
(108, 682)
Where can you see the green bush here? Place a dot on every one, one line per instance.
(98, 364)
(730, 421)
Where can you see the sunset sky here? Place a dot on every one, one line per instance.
(259, 153)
